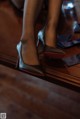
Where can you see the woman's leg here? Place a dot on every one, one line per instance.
(52, 22)
(31, 11)
(20, 3)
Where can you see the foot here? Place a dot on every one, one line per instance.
(29, 52)
(51, 49)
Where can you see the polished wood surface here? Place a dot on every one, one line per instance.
(10, 32)
(28, 97)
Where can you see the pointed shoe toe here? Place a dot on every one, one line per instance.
(35, 70)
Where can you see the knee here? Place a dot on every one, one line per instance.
(18, 3)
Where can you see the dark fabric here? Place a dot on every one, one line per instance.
(73, 60)
(64, 41)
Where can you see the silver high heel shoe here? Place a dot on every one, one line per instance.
(31, 69)
(48, 50)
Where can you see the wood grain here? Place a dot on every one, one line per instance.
(26, 96)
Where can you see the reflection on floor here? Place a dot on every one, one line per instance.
(26, 97)
(10, 32)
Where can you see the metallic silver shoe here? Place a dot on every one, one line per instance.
(31, 69)
(48, 50)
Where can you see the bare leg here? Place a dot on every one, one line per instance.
(31, 11)
(51, 27)
(20, 3)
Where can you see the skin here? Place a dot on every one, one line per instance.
(32, 9)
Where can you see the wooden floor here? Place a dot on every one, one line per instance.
(26, 97)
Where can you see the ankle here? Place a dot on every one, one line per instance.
(27, 37)
(51, 44)
(50, 37)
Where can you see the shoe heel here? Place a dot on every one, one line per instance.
(17, 64)
(40, 37)
(40, 42)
